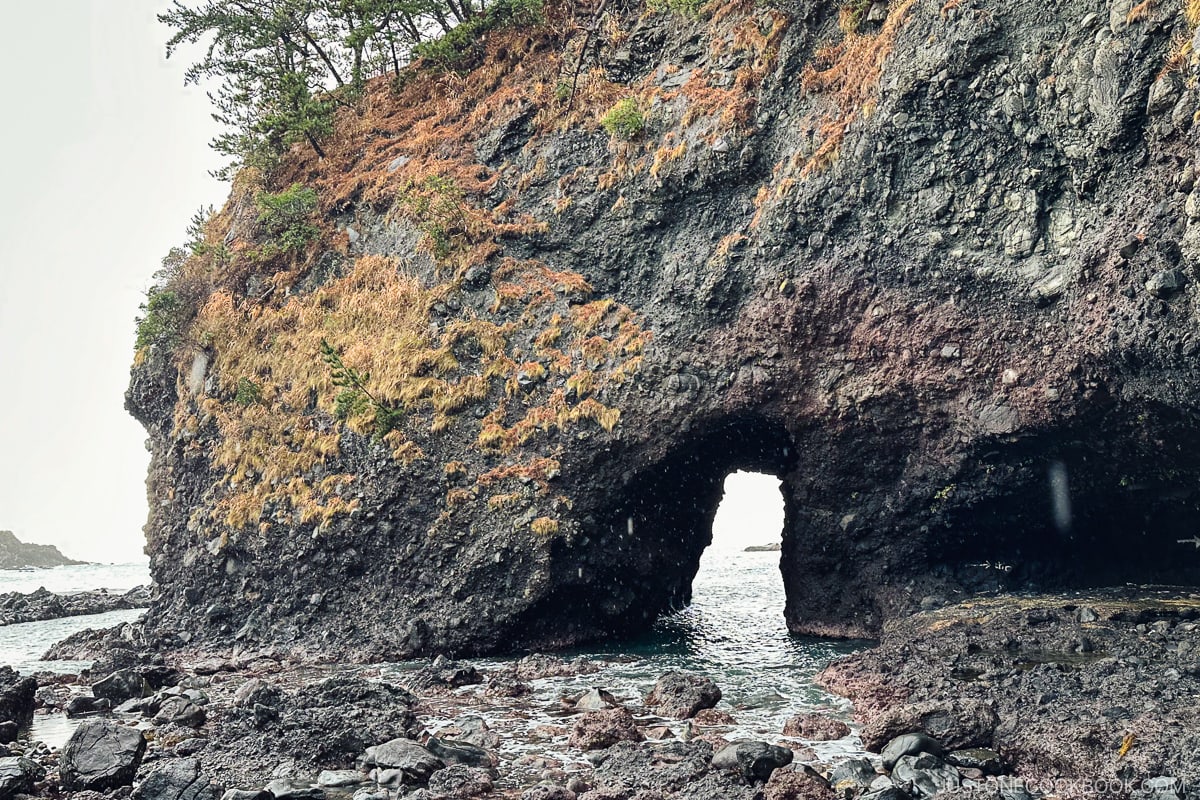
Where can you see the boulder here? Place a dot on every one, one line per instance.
(122, 685)
(596, 700)
(18, 775)
(288, 789)
(461, 782)
(713, 717)
(16, 694)
(986, 761)
(797, 784)
(680, 695)
(340, 778)
(101, 755)
(854, 773)
(755, 761)
(84, 704)
(596, 730)
(247, 794)
(908, 744)
(548, 791)
(178, 779)
(179, 710)
(455, 752)
(815, 727)
(925, 775)
(9, 731)
(413, 763)
(955, 724)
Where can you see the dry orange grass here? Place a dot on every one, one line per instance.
(847, 75)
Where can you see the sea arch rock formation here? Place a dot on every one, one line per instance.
(937, 273)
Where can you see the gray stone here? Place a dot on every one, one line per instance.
(122, 685)
(101, 755)
(17, 776)
(855, 773)
(755, 761)
(397, 163)
(596, 700)
(546, 791)
(246, 794)
(925, 775)
(908, 744)
(452, 752)
(980, 758)
(681, 695)
(289, 789)
(177, 780)
(412, 761)
(1166, 283)
(459, 781)
(180, 710)
(335, 778)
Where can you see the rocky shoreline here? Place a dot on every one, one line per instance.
(42, 604)
(1002, 697)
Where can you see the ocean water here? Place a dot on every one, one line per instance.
(733, 631)
(21, 646)
(118, 578)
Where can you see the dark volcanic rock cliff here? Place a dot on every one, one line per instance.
(936, 273)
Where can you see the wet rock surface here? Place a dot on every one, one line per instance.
(42, 604)
(1065, 692)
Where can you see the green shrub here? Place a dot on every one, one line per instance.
(455, 48)
(684, 8)
(163, 319)
(287, 216)
(624, 120)
(248, 392)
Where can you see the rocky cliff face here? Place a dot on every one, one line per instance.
(931, 263)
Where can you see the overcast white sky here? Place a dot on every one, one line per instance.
(103, 159)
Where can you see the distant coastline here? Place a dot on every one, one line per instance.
(15, 554)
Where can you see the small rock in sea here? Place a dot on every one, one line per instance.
(908, 744)
(8, 732)
(815, 727)
(476, 731)
(176, 780)
(596, 730)
(84, 704)
(755, 761)
(596, 700)
(713, 717)
(681, 695)
(460, 782)
(658, 733)
(452, 752)
(101, 755)
(925, 775)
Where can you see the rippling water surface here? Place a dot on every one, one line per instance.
(733, 632)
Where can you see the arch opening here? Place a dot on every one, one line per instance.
(664, 522)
